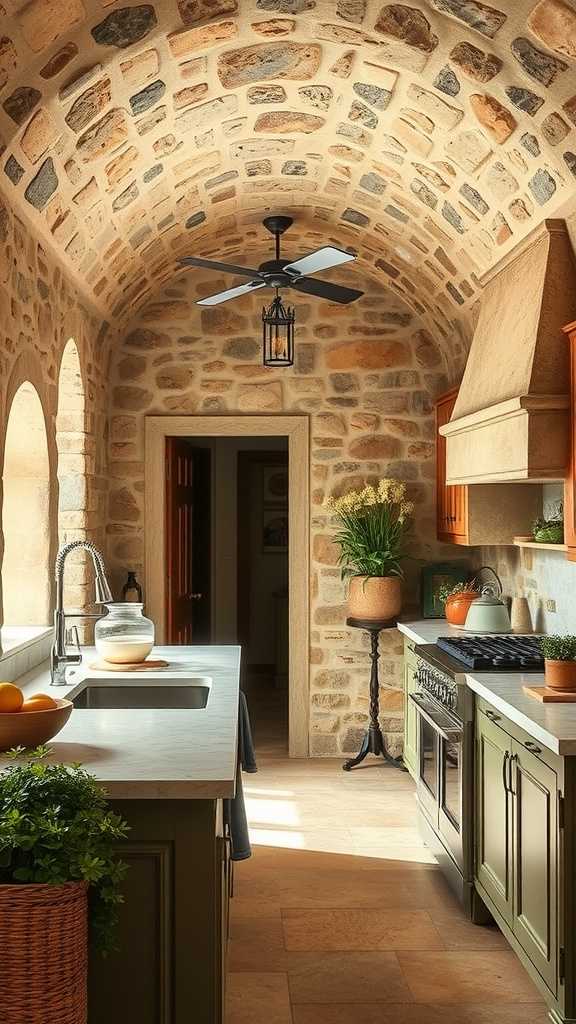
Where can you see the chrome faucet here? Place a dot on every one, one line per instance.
(59, 659)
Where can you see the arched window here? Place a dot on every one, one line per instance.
(71, 442)
(25, 513)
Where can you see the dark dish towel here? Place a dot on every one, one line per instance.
(235, 810)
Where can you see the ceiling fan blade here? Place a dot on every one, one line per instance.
(224, 268)
(326, 290)
(322, 259)
(231, 293)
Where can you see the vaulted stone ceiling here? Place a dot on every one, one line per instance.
(428, 137)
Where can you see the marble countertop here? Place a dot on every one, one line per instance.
(427, 631)
(146, 754)
(553, 725)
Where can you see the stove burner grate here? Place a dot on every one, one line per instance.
(496, 653)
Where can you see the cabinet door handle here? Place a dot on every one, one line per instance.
(532, 747)
(492, 715)
(512, 768)
(504, 770)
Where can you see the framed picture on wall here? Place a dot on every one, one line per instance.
(275, 485)
(274, 531)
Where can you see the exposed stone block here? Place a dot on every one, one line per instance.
(211, 34)
(485, 19)
(260, 397)
(407, 24)
(126, 26)
(106, 134)
(475, 63)
(554, 23)
(140, 68)
(193, 11)
(554, 129)
(39, 135)
(89, 105)
(264, 61)
(42, 22)
(42, 186)
(542, 186)
(147, 97)
(524, 99)
(493, 116)
(367, 355)
(20, 103)
(290, 121)
(59, 61)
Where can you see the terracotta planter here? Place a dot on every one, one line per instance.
(374, 597)
(457, 605)
(560, 675)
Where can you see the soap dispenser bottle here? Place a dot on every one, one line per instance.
(132, 591)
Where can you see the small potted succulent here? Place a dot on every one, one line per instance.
(559, 661)
(373, 527)
(457, 599)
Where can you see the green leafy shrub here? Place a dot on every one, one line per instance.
(551, 530)
(558, 648)
(56, 826)
(447, 590)
(374, 524)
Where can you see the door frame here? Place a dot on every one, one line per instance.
(297, 430)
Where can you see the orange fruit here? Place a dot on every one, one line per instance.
(39, 702)
(11, 698)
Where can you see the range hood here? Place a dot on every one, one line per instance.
(511, 418)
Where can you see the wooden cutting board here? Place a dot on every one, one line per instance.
(548, 696)
(140, 666)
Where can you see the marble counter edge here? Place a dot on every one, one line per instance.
(175, 782)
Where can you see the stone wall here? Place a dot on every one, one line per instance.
(40, 310)
(366, 376)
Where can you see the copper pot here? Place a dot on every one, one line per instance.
(374, 597)
(560, 675)
(457, 605)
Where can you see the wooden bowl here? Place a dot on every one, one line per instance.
(30, 728)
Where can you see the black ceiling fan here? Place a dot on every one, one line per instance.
(279, 273)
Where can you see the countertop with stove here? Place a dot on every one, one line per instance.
(554, 725)
(160, 753)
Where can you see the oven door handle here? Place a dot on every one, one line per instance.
(447, 727)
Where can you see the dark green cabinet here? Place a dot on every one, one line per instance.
(410, 717)
(170, 966)
(494, 850)
(517, 842)
(535, 805)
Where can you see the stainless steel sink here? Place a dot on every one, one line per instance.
(170, 692)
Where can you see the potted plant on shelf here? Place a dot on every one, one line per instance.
(373, 527)
(59, 882)
(457, 599)
(559, 661)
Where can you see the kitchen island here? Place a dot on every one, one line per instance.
(167, 771)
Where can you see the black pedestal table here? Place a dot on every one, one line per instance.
(373, 742)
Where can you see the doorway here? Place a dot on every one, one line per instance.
(226, 547)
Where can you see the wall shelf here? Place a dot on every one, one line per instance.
(519, 542)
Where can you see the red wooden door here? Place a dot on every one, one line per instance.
(179, 540)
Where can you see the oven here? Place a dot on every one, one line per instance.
(445, 738)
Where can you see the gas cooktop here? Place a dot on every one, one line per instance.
(495, 653)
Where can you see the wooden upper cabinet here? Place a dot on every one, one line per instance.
(570, 482)
(474, 514)
(451, 502)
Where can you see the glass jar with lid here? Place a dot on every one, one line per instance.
(124, 636)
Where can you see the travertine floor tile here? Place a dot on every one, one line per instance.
(346, 978)
(359, 930)
(468, 977)
(418, 1013)
(258, 998)
(256, 943)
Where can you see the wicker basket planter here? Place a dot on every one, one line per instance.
(44, 953)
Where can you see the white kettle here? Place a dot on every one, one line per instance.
(488, 614)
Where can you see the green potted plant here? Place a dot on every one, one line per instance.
(559, 661)
(373, 527)
(550, 530)
(457, 599)
(60, 881)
